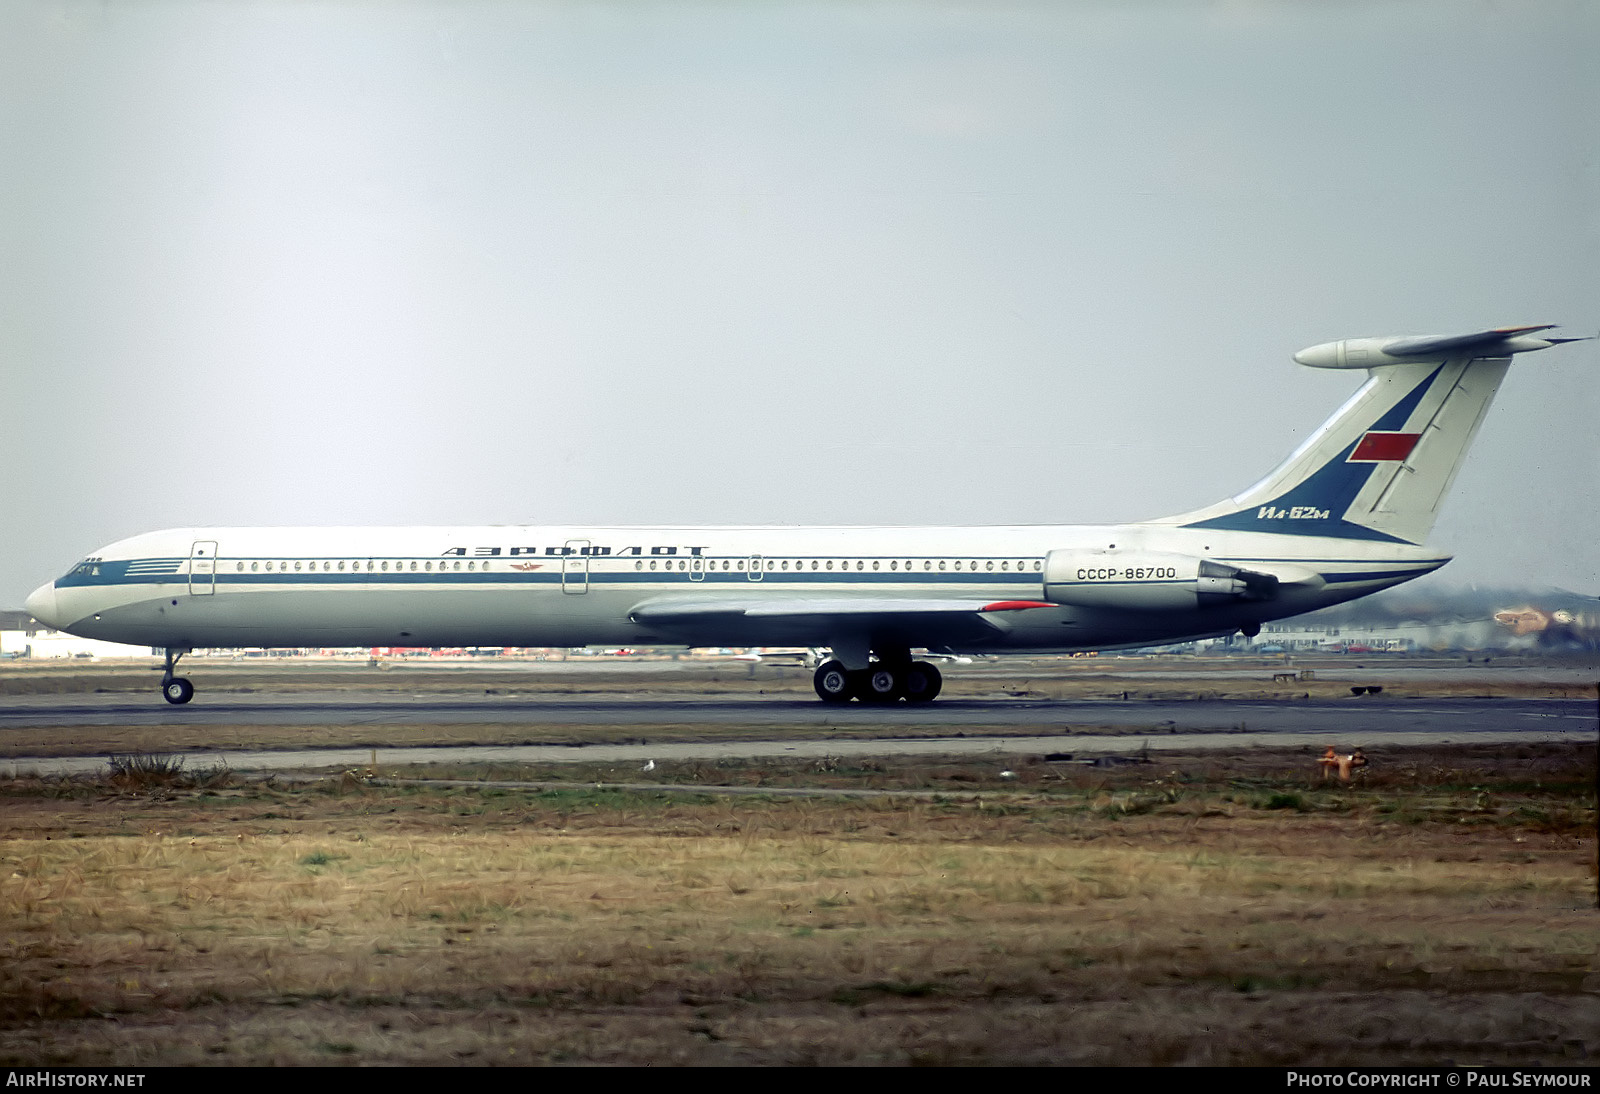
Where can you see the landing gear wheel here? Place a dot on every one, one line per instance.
(882, 684)
(832, 682)
(177, 691)
(922, 682)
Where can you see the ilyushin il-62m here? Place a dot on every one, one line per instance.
(1345, 515)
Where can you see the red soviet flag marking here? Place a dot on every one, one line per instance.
(1376, 447)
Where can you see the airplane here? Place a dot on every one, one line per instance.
(1345, 515)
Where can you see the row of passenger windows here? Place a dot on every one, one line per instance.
(356, 566)
(776, 565)
(857, 564)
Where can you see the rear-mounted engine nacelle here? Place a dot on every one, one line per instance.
(1148, 580)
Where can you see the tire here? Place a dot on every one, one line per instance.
(833, 683)
(882, 684)
(177, 691)
(922, 682)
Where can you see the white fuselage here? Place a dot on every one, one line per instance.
(576, 586)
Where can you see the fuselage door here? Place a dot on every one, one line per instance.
(575, 568)
(754, 573)
(203, 567)
(697, 569)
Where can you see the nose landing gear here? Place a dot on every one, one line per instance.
(175, 689)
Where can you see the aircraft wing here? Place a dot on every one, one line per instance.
(823, 620)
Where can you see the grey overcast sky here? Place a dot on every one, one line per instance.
(774, 263)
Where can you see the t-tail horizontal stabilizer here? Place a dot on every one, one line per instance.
(1380, 467)
(1373, 352)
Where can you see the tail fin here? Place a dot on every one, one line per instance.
(1381, 466)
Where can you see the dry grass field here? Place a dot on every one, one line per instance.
(1193, 909)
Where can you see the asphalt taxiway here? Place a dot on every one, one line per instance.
(1017, 726)
(1370, 713)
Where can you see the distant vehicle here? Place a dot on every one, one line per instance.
(798, 656)
(1345, 515)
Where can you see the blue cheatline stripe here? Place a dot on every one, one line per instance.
(498, 578)
(1134, 584)
(629, 578)
(1377, 575)
(164, 571)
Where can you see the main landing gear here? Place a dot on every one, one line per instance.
(175, 689)
(880, 682)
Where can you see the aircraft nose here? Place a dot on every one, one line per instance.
(41, 604)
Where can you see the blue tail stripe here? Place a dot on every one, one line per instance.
(1316, 505)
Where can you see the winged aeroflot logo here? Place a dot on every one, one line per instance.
(527, 565)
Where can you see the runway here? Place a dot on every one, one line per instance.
(1372, 713)
(1009, 726)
